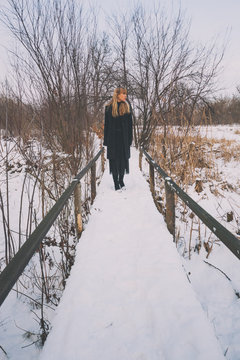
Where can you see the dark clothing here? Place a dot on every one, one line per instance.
(118, 139)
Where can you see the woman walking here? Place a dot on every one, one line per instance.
(118, 136)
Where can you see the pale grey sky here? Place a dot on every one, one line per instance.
(209, 19)
(212, 18)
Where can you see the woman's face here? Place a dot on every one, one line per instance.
(122, 97)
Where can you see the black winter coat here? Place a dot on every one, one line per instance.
(110, 132)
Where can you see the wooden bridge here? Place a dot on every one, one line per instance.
(128, 296)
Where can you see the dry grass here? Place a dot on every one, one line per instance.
(186, 156)
(192, 156)
(226, 149)
(191, 161)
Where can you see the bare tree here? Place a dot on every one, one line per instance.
(166, 76)
(67, 63)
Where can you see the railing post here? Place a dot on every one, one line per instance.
(102, 161)
(78, 208)
(170, 209)
(151, 178)
(140, 159)
(93, 182)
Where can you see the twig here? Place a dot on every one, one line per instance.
(215, 267)
(3, 350)
(34, 342)
(29, 297)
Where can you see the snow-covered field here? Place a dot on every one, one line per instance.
(131, 295)
(227, 132)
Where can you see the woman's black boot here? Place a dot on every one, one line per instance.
(121, 183)
(116, 182)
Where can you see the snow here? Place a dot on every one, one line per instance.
(226, 132)
(16, 320)
(120, 300)
(220, 301)
(128, 296)
(19, 314)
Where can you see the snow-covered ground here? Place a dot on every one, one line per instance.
(216, 279)
(215, 276)
(131, 295)
(20, 332)
(227, 132)
(128, 296)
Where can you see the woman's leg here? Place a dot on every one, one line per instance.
(124, 168)
(114, 172)
(116, 181)
(121, 183)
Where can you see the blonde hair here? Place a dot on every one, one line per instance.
(124, 107)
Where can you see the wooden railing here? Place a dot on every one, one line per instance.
(172, 189)
(14, 269)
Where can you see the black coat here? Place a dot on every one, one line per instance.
(110, 132)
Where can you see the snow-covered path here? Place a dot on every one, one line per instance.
(128, 297)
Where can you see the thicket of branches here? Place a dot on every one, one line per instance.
(223, 111)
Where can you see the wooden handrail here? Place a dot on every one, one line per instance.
(231, 241)
(14, 269)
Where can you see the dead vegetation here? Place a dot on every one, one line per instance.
(187, 155)
(192, 155)
(196, 164)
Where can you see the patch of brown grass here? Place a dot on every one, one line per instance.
(191, 156)
(226, 149)
(186, 155)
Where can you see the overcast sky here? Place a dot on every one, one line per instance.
(209, 19)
